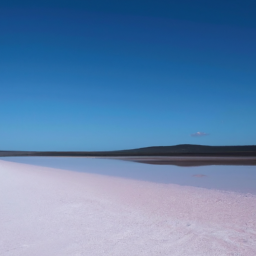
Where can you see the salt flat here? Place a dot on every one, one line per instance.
(46, 211)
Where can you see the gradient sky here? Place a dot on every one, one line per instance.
(104, 75)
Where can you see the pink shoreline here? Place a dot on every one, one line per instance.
(47, 211)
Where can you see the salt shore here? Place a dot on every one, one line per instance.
(46, 211)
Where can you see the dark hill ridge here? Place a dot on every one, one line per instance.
(178, 150)
(192, 149)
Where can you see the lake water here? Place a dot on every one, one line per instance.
(227, 177)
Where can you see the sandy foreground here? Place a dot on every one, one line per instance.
(52, 212)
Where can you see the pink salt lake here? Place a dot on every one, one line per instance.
(105, 207)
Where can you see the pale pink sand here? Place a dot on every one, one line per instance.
(53, 212)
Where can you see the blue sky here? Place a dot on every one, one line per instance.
(106, 75)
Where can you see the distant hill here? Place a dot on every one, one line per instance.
(192, 149)
(178, 150)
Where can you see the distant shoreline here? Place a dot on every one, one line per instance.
(178, 160)
(183, 150)
(180, 155)
(106, 154)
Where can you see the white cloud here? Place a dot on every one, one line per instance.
(199, 134)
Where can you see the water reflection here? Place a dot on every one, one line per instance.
(222, 177)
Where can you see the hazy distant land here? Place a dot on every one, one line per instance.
(181, 155)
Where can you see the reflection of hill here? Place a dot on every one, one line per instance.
(185, 161)
(178, 150)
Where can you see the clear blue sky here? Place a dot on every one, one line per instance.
(104, 75)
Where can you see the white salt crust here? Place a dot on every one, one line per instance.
(51, 212)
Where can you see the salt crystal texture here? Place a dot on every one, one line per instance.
(46, 211)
